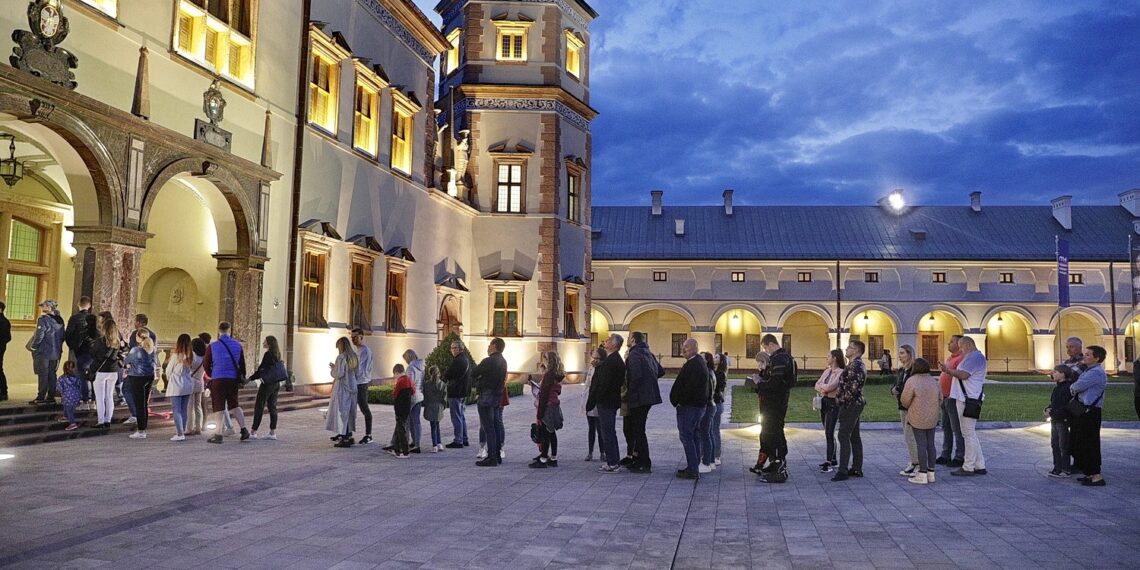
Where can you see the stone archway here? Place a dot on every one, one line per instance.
(450, 320)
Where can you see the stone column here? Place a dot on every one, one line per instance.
(1044, 351)
(240, 296)
(107, 269)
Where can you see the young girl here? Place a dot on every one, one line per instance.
(342, 403)
(435, 396)
(179, 383)
(70, 388)
(402, 405)
(549, 413)
(592, 432)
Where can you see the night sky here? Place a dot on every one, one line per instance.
(839, 102)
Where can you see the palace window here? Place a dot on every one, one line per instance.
(1005, 277)
(108, 7)
(403, 110)
(505, 313)
(509, 186)
(786, 343)
(738, 277)
(1076, 279)
(570, 319)
(217, 34)
(870, 276)
(678, 341)
(314, 266)
(511, 40)
(938, 277)
(718, 343)
(452, 52)
(752, 345)
(365, 115)
(394, 308)
(573, 196)
(29, 270)
(323, 89)
(660, 276)
(574, 48)
(803, 277)
(360, 293)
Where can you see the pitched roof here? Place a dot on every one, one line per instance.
(1022, 233)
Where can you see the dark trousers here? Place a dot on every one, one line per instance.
(490, 430)
(45, 371)
(772, 440)
(139, 387)
(1086, 442)
(592, 434)
(3, 377)
(607, 430)
(549, 446)
(636, 419)
(687, 419)
(627, 433)
(361, 404)
(952, 431)
(400, 435)
(82, 363)
(850, 442)
(829, 415)
(267, 397)
(704, 435)
(1060, 440)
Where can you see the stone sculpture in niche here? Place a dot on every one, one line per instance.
(36, 51)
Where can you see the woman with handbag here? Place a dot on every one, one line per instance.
(826, 388)
(906, 363)
(196, 415)
(180, 384)
(1084, 411)
(272, 373)
(140, 378)
(108, 363)
(548, 415)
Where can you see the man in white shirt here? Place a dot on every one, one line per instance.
(363, 379)
(966, 382)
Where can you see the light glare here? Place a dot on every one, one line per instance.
(896, 200)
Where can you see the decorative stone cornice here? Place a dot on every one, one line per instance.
(524, 98)
(451, 11)
(409, 26)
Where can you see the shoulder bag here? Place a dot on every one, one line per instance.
(237, 368)
(973, 407)
(1075, 408)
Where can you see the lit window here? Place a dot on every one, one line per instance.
(677, 342)
(216, 34)
(323, 91)
(1005, 277)
(453, 51)
(660, 276)
(22, 292)
(938, 277)
(570, 318)
(509, 186)
(402, 112)
(574, 47)
(25, 242)
(871, 277)
(803, 277)
(505, 314)
(366, 109)
(573, 196)
(1076, 279)
(395, 305)
(752, 346)
(28, 272)
(511, 40)
(360, 293)
(314, 263)
(738, 277)
(108, 7)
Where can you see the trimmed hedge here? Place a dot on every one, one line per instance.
(383, 394)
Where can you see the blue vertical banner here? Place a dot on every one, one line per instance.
(1062, 273)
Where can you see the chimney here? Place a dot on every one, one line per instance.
(656, 194)
(1130, 199)
(680, 230)
(976, 201)
(728, 202)
(1063, 211)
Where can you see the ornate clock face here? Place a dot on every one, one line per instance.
(49, 21)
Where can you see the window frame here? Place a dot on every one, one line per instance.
(660, 276)
(510, 161)
(314, 247)
(45, 271)
(1076, 279)
(367, 81)
(109, 8)
(323, 49)
(572, 312)
(506, 309)
(453, 57)
(396, 272)
(737, 277)
(804, 276)
(675, 346)
(574, 177)
(360, 257)
(938, 277)
(402, 151)
(575, 48)
(1006, 278)
(871, 277)
(227, 33)
(512, 28)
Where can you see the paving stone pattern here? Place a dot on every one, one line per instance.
(299, 503)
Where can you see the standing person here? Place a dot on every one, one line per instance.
(704, 427)
(642, 371)
(885, 364)
(690, 396)
(775, 388)
(605, 396)
(140, 378)
(47, 348)
(401, 406)
(458, 379)
(490, 378)
(79, 337)
(922, 397)
(108, 364)
(180, 383)
(5, 338)
(953, 446)
(435, 401)
(196, 416)
(416, 372)
(272, 373)
(225, 364)
(762, 362)
(592, 431)
(850, 399)
(827, 387)
(363, 380)
(549, 412)
(141, 322)
(69, 391)
(1056, 413)
(906, 363)
(1089, 390)
(969, 379)
(720, 360)
(341, 418)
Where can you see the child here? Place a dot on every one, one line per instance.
(402, 404)
(69, 387)
(435, 401)
(922, 398)
(1059, 438)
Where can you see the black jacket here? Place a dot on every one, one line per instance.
(692, 385)
(77, 334)
(642, 370)
(605, 388)
(900, 383)
(721, 386)
(777, 381)
(106, 358)
(458, 376)
(5, 332)
(267, 362)
(490, 379)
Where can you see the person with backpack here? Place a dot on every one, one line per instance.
(79, 336)
(775, 388)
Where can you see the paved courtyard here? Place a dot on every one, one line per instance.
(299, 503)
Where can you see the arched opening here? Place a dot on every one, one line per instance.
(665, 330)
(1009, 342)
(599, 328)
(449, 318)
(1080, 325)
(175, 304)
(807, 337)
(934, 331)
(877, 330)
(738, 334)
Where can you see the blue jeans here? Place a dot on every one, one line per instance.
(687, 419)
(952, 431)
(69, 411)
(607, 430)
(82, 363)
(704, 435)
(459, 419)
(179, 405)
(1060, 439)
(414, 429)
(435, 435)
(128, 397)
(499, 427)
(488, 431)
(714, 429)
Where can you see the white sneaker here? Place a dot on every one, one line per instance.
(702, 468)
(131, 420)
(435, 449)
(716, 461)
(272, 437)
(502, 454)
(138, 435)
(918, 478)
(253, 435)
(178, 438)
(230, 431)
(930, 476)
(482, 453)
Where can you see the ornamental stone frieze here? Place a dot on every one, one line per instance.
(36, 51)
(532, 104)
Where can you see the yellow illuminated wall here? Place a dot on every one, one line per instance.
(875, 323)
(1078, 325)
(939, 326)
(660, 325)
(809, 337)
(1008, 336)
(733, 326)
(599, 325)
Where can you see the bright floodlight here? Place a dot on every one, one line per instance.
(896, 200)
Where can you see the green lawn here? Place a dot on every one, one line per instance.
(1009, 403)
